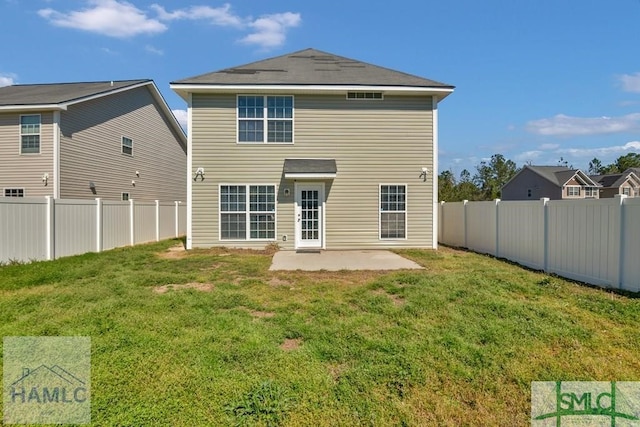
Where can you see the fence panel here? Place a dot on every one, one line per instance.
(481, 227)
(116, 224)
(145, 222)
(182, 219)
(75, 227)
(631, 245)
(453, 224)
(584, 240)
(23, 229)
(521, 232)
(167, 221)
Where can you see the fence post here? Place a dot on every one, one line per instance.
(50, 227)
(157, 220)
(132, 222)
(98, 224)
(177, 218)
(441, 222)
(464, 222)
(545, 228)
(620, 203)
(497, 204)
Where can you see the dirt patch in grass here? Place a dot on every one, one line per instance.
(276, 281)
(261, 314)
(174, 252)
(395, 299)
(204, 287)
(291, 344)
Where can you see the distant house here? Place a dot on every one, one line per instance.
(553, 182)
(627, 183)
(114, 140)
(314, 151)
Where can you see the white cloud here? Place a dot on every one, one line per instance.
(270, 30)
(562, 125)
(182, 117)
(108, 17)
(549, 146)
(633, 146)
(7, 79)
(220, 16)
(528, 156)
(630, 82)
(154, 50)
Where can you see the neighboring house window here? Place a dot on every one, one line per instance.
(125, 197)
(14, 192)
(529, 193)
(393, 211)
(247, 218)
(573, 191)
(30, 134)
(626, 191)
(127, 146)
(364, 95)
(265, 119)
(591, 192)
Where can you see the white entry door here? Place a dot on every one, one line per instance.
(309, 216)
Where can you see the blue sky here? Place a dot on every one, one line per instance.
(535, 80)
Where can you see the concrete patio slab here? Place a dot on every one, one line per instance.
(340, 260)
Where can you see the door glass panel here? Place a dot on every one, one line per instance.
(310, 215)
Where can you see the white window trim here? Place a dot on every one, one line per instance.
(569, 187)
(265, 120)
(24, 193)
(122, 145)
(39, 135)
(406, 213)
(248, 213)
(364, 99)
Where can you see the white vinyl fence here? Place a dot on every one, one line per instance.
(47, 228)
(595, 241)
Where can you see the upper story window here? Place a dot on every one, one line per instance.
(265, 119)
(573, 190)
(364, 95)
(30, 134)
(14, 192)
(127, 146)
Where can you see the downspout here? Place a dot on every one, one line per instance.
(56, 154)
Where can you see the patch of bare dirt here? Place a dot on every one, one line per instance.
(262, 314)
(291, 344)
(276, 281)
(395, 299)
(336, 370)
(174, 252)
(204, 287)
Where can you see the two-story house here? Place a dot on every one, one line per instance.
(116, 140)
(313, 151)
(627, 183)
(553, 182)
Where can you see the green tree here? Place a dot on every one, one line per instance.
(492, 175)
(446, 186)
(595, 167)
(622, 163)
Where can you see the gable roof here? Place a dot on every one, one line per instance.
(557, 175)
(311, 68)
(615, 180)
(59, 96)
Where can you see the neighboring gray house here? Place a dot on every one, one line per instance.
(553, 182)
(627, 183)
(114, 140)
(313, 151)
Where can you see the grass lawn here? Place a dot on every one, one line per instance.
(211, 337)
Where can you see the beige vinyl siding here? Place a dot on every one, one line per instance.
(26, 170)
(91, 150)
(374, 142)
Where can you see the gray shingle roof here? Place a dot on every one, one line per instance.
(58, 93)
(310, 166)
(311, 67)
(558, 175)
(615, 180)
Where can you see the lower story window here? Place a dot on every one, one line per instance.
(247, 212)
(591, 192)
(14, 192)
(393, 211)
(573, 191)
(125, 197)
